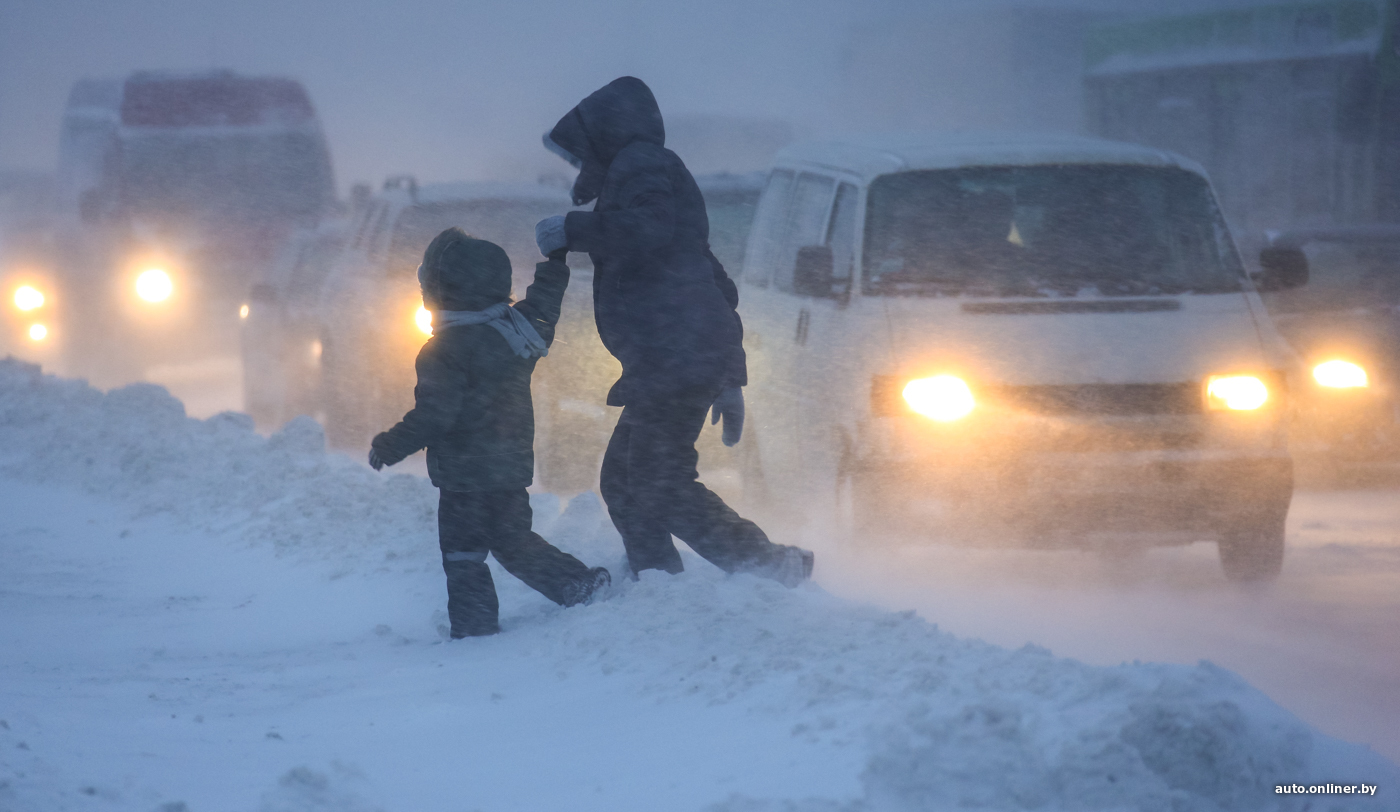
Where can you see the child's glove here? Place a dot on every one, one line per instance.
(375, 461)
(550, 236)
(730, 406)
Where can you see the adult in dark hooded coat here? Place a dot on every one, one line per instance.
(666, 309)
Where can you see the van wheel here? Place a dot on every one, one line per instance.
(1252, 551)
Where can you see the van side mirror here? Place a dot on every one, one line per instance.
(1282, 269)
(812, 276)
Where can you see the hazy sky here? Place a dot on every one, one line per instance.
(448, 90)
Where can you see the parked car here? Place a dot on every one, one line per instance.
(281, 341)
(1049, 338)
(1345, 325)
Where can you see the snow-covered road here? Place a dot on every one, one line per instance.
(1324, 640)
(199, 618)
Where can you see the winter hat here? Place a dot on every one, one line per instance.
(463, 273)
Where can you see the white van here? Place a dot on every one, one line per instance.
(1050, 337)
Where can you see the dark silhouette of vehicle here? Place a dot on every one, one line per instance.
(175, 191)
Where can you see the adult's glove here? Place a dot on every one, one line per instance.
(730, 406)
(375, 461)
(550, 235)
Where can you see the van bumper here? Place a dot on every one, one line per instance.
(1074, 497)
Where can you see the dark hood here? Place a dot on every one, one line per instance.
(464, 273)
(594, 132)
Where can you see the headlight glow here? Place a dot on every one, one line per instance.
(1240, 393)
(28, 298)
(243, 311)
(38, 332)
(424, 319)
(944, 398)
(154, 285)
(1338, 374)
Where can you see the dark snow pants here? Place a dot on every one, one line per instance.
(652, 490)
(472, 524)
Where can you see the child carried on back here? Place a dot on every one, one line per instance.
(474, 414)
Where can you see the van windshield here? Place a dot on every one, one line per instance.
(1064, 230)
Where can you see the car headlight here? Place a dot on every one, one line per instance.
(424, 319)
(154, 285)
(38, 332)
(1338, 374)
(944, 398)
(1240, 393)
(28, 298)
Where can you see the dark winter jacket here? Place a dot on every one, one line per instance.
(473, 410)
(664, 305)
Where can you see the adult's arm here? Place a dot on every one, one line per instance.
(646, 217)
(437, 401)
(544, 299)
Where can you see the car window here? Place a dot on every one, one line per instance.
(370, 225)
(841, 234)
(769, 228)
(811, 202)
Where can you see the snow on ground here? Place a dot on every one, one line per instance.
(204, 619)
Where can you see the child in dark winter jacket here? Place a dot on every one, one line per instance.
(474, 414)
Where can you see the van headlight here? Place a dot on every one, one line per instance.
(1240, 393)
(424, 319)
(154, 285)
(1339, 374)
(28, 297)
(944, 398)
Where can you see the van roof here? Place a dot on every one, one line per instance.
(870, 156)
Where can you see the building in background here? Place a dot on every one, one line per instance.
(973, 68)
(1294, 109)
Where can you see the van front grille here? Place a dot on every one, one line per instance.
(1105, 399)
(1114, 399)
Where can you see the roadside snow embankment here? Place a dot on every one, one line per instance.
(946, 723)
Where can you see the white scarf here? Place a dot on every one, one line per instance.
(522, 337)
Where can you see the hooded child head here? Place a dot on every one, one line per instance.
(622, 111)
(460, 272)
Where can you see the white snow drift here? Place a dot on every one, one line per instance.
(941, 722)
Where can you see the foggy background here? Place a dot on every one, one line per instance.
(462, 90)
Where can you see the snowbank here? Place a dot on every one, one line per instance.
(946, 722)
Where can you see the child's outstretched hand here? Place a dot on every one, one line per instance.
(374, 461)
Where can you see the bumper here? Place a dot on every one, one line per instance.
(1100, 479)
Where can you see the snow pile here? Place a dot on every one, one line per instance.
(946, 722)
(136, 443)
